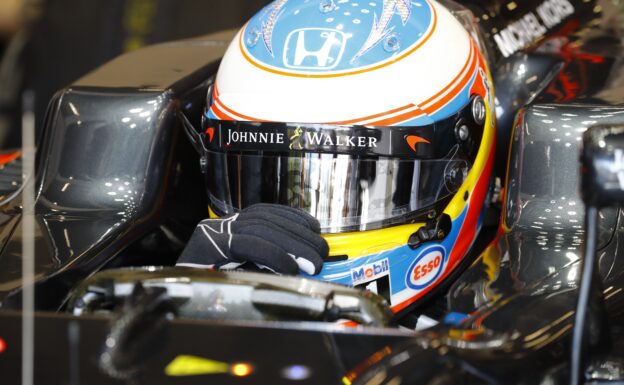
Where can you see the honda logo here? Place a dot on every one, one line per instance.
(314, 48)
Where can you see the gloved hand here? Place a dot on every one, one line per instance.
(274, 237)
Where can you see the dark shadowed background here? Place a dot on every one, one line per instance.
(47, 44)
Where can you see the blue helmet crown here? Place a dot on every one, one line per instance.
(335, 35)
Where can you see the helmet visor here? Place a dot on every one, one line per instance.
(350, 178)
(343, 192)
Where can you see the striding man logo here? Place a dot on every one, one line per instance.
(295, 140)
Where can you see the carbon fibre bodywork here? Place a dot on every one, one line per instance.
(112, 162)
(137, 204)
(519, 296)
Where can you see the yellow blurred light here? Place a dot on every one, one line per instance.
(186, 365)
(241, 369)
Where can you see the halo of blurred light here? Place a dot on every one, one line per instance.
(241, 369)
(296, 372)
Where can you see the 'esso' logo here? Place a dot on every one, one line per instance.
(426, 268)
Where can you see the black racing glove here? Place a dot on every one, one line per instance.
(274, 237)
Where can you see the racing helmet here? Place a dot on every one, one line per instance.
(375, 117)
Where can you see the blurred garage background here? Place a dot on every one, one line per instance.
(47, 44)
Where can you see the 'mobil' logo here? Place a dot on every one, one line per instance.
(370, 272)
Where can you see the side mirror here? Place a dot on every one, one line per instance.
(602, 171)
(602, 185)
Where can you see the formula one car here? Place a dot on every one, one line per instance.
(116, 198)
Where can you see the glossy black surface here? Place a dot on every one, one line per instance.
(233, 295)
(68, 348)
(572, 57)
(519, 297)
(114, 168)
(603, 166)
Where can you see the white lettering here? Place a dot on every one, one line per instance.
(254, 137)
(528, 28)
(552, 12)
(319, 139)
(533, 25)
(504, 44)
(314, 138)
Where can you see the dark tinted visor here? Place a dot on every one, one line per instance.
(349, 177)
(344, 193)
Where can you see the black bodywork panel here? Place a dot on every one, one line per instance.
(517, 298)
(67, 349)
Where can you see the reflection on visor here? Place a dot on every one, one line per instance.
(344, 192)
(350, 178)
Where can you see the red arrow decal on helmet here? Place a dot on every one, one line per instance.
(210, 133)
(413, 140)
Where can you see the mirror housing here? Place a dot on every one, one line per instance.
(602, 166)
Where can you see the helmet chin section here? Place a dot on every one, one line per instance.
(381, 261)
